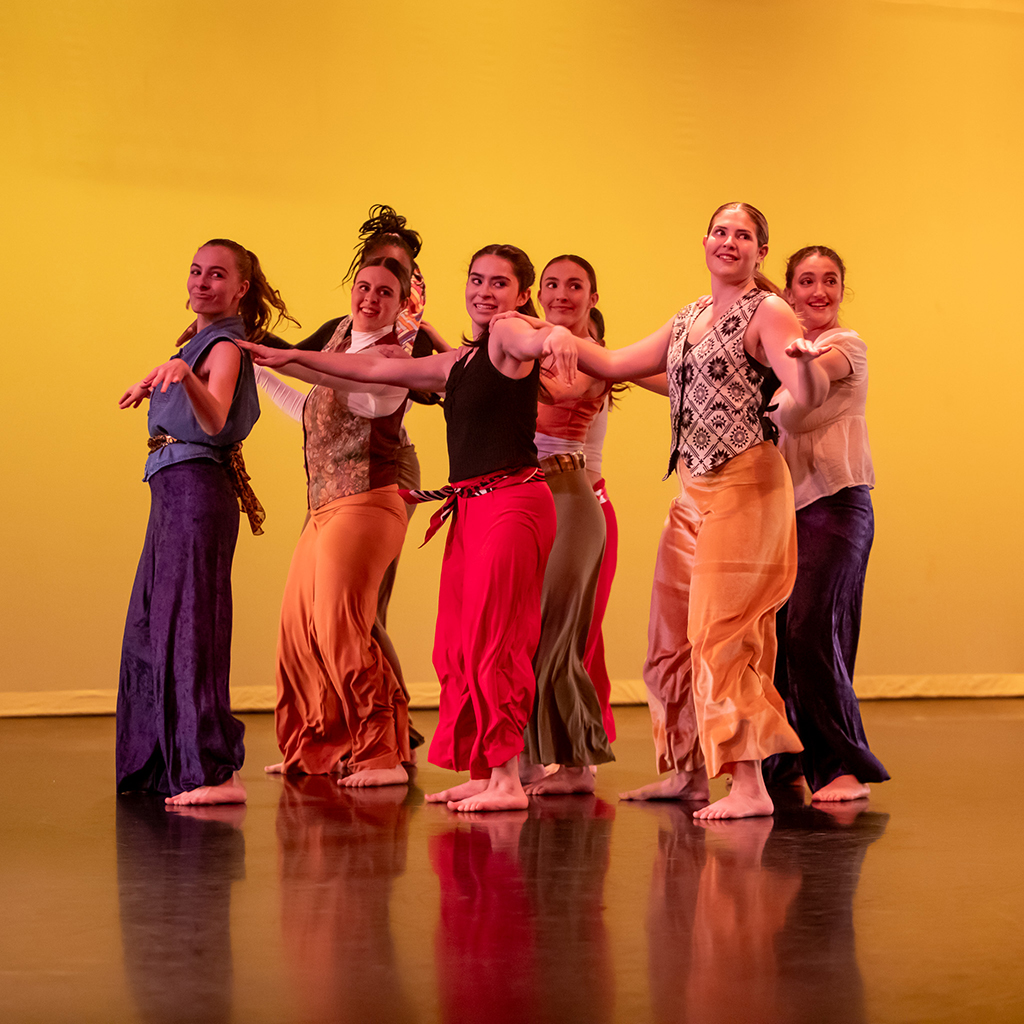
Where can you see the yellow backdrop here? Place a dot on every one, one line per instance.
(134, 131)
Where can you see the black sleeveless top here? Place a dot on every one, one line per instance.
(491, 418)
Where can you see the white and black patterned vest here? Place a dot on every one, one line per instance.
(719, 394)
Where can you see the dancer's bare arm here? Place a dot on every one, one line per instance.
(369, 372)
(775, 336)
(516, 341)
(210, 391)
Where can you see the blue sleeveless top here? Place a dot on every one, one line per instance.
(171, 412)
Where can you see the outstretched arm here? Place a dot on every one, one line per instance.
(776, 335)
(346, 372)
(515, 341)
(644, 358)
(210, 398)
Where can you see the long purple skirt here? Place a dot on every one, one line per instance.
(175, 730)
(818, 630)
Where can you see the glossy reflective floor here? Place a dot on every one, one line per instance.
(317, 904)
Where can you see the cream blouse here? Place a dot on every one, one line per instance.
(827, 448)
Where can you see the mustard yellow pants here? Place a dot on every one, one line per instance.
(726, 564)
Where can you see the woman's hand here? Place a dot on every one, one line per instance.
(174, 371)
(560, 349)
(438, 343)
(134, 396)
(391, 352)
(262, 355)
(801, 348)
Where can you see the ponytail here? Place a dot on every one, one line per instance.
(261, 300)
(766, 284)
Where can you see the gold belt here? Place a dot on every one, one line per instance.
(563, 462)
(247, 500)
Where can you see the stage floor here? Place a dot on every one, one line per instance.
(320, 904)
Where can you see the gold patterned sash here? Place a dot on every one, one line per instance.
(247, 500)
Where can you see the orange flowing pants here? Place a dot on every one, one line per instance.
(336, 694)
(726, 564)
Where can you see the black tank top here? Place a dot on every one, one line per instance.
(491, 418)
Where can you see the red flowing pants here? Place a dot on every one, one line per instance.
(488, 625)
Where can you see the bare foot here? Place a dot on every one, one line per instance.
(564, 781)
(504, 792)
(280, 769)
(470, 788)
(531, 773)
(376, 796)
(843, 787)
(747, 798)
(396, 776)
(230, 792)
(678, 786)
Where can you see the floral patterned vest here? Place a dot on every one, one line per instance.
(345, 453)
(719, 395)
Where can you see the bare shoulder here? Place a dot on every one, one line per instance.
(222, 356)
(773, 315)
(774, 306)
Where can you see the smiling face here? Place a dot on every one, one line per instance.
(816, 292)
(492, 287)
(566, 296)
(376, 299)
(215, 287)
(731, 249)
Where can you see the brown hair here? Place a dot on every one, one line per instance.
(382, 228)
(521, 265)
(760, 222)
(814, 250)
(259, 302)
(525, 275)
(397, 269)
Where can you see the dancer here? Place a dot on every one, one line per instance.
(727, 557)
(566, 728)
(829, 457)
(175, 730)
(503, 521)
(593, 452)
(338, 699)
(384, 233)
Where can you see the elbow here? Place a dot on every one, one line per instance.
(213, 425)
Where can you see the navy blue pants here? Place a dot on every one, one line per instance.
(175, 730)
(818, 631)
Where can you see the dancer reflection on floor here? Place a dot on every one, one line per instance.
(503, 520)
(174, 876)
(485, 947)
(719, 902)
(175, 730)
(340, 852)
(829, 457)
(727, 557)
